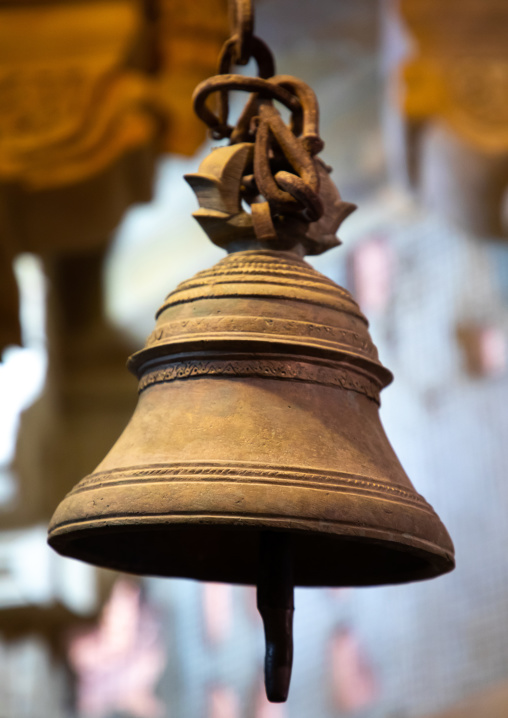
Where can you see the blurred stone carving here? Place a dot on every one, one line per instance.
(81, 84)
(449, 68)
(68, 108)
(91, 93)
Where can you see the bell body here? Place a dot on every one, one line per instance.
(258, 411)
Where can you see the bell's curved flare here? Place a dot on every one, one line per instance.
(258, 411)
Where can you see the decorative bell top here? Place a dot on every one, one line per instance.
(256, 302)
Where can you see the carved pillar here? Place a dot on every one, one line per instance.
(91, 94)
(449, 76)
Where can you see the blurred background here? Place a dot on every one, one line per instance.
(96, 130)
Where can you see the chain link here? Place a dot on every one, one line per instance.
(242, 24)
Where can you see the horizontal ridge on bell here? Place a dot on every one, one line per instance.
(258, 410)
(263, 297)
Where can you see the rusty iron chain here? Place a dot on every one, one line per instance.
(285, 179)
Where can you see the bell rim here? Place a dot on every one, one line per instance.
(247, 497)
(431, 559)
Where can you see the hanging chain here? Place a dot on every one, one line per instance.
(285, 176)
(242, 24)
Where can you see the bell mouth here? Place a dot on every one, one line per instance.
(258, 412)
(230, 554)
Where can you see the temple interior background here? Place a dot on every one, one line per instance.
(96, 131)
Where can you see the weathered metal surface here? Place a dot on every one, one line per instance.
(449, 107)
(258, 411)
(258, 408)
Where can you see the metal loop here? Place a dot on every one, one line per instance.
(227, 59)
(308, 100)
(242, 24)
(300, 190)
(271, 126)
(243, 131)
(260, 52)
(263, 88)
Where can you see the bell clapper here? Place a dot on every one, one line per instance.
(275, 591)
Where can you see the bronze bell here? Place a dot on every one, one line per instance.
(256, 454)
(258, 410)
(256, 449)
